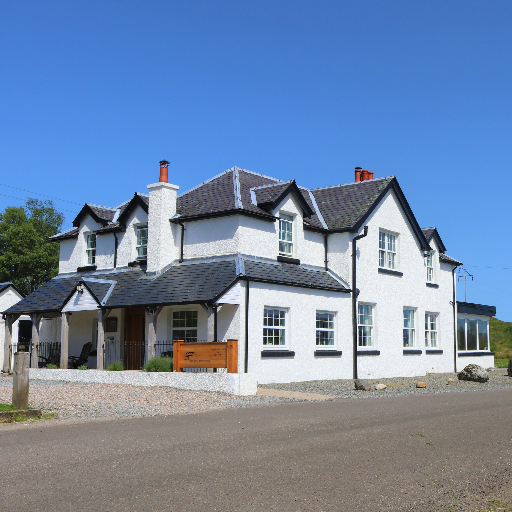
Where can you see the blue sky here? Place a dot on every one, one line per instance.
(95, 93)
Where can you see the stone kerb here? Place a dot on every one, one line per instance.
(242, 384)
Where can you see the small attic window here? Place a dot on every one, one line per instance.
(142, 243)
(90, 249)
(285, 235)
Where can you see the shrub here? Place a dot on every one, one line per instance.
(82, 367)
(51, 366)
(116, 366)
(158, 364)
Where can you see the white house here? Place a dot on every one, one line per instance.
(9, 295)
(326, 283)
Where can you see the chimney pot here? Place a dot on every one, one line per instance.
(365, 175)
(358, 174)
(370, 175)
(164, 171)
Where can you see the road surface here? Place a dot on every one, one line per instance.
(421, 453)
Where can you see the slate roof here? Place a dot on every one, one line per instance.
(470, 308)
(428, 232)
(444, 258)
(70, 233)
(191, 282)
(4, 286)
(433, 233)
(342, 206)
(51, 296)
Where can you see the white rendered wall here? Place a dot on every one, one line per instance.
(390, 294)
(302, 305)
(209, 237)
(105, 246)
(127, 241)
(72, 251)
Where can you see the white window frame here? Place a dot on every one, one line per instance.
(325, 330)
(429, 330)
(185, 328)
(372, 344)
(430, 268)
(472, 318)
(388, 253)
(411, 329)
(138, 228)
(284, 328)
(90, 252)
(286, 218)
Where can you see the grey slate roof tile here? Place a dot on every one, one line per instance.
(343, 205)
(444, 258)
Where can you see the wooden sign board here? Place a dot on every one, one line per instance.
(206, 355)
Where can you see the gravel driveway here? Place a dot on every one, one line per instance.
(85, 401)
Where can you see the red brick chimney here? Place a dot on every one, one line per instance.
(164, 171)
(358, 174)
(363, 175)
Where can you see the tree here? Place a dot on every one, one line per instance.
(27, 258)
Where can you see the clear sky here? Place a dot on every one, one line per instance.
(94, 93)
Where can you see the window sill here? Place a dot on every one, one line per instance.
(471, 353)
(286, 259)
(277, 353)
(368, 352)
(327, 353)
(412, 352)
(390, 272)
(138, 263)
(86, 268)
(433, 351)
(432, 285)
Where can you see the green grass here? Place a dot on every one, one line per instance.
(501, 341)
(501, 363)
(7, 407)
(49, 416)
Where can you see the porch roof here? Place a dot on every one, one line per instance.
(192, 282)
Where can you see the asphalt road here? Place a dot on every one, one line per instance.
(342, 455)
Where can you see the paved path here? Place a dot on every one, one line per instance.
(339, 455)
(293, 394)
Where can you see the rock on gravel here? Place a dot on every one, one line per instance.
(475, 373)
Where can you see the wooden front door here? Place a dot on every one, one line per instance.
(134, 335)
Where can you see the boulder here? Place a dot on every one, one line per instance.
(475, 373)
(421, 384)
(509, 368)
(380, 387)
(361, 386)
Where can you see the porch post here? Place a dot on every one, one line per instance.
(152, 314)
(9, 321)
(211, 324)
(36, 324)
(101, 337)
(64, 340)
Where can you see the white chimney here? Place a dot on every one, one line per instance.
(162, 206)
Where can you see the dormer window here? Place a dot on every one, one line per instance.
(285, 235)
(142, 243)
(430, 267)
(90, 249)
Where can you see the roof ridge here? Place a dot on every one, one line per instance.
(352, 183)
(103, 207)
(259, 174)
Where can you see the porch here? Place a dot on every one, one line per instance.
(130, 335)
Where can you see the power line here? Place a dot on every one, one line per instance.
(496, 268)
(37, 193)
(19, 199)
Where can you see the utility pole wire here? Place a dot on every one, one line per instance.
(19, 199)
(37, 193)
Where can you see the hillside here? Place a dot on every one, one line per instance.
(501, 338)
